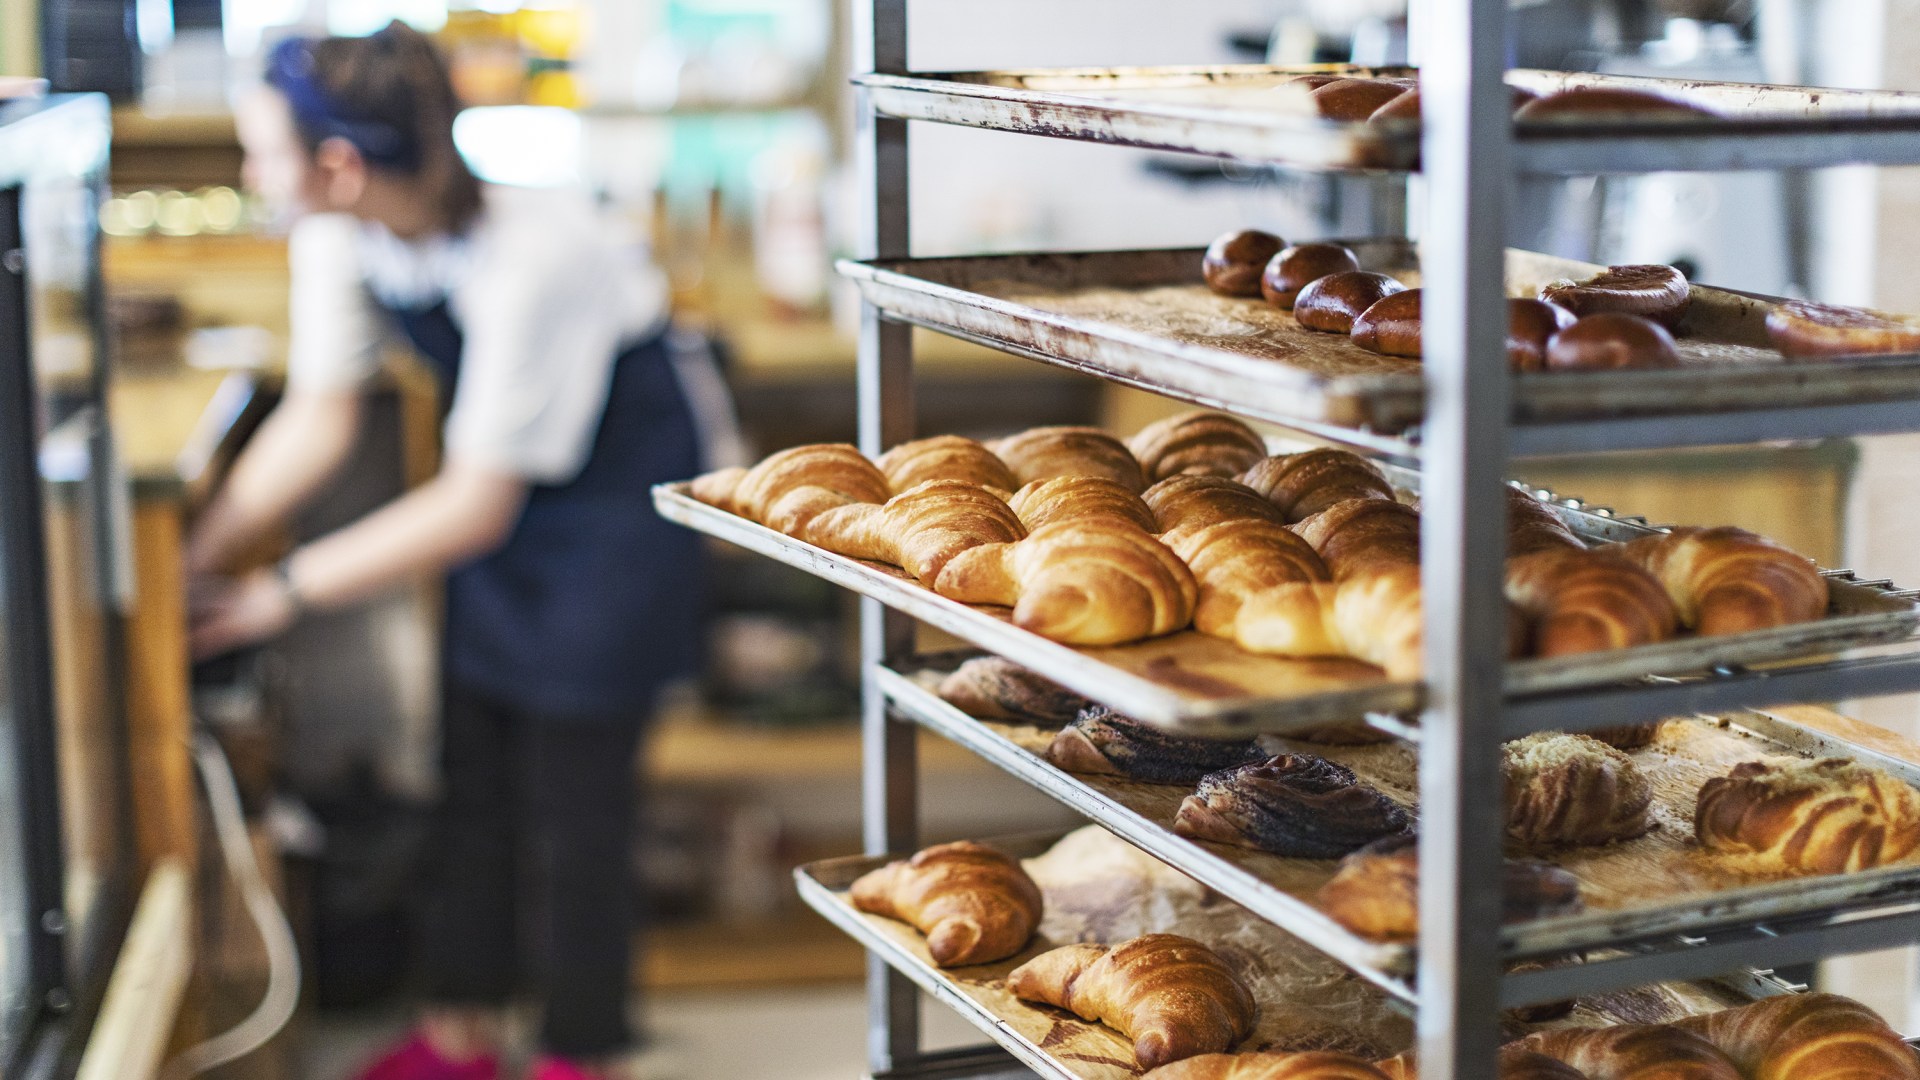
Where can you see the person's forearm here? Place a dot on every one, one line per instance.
(459, 515)
(296, 451)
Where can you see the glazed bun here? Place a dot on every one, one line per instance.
(1660, 293)
(1608, 341)
(1606, 101)
(1529, 324)
(1391, 326)
(1234, 261)
(1355, 99)
(1330, 304)
(1298, 266)
(1802, 328)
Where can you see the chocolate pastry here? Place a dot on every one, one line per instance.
(1354, 99)
(1407, 105)
(1297, 805)
(1612, 340)
(1293, 269)
(1103, 742)
(1376, 891)
(1234, 260)
(1330, 304)
(1530, 323)
(993, 688)
(1801, 328)
(1626, 736)
(1649, 290)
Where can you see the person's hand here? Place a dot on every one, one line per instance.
(238, 612)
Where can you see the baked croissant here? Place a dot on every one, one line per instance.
(1632, 1052)
(1730, 581)
(944, 457)
(1626, 736)
(1235, 560)
(1044, 452)
(1196, 444)
(1297, 805)
(1364, 536)
(1514, 1064)
(974, 904)
(992, 688)
(788, 489)
(1807, 1037)
(1830, 816)
(1310, 1065)
(1570, 789)
(920, 530)
(1306, 483)
(1184, 503)
(1581, 601)
(1531, 526)
(1081, 498)
(716, 488)
(1169, 994)
(1084, 584)
(1375, 618)
(1376, 891)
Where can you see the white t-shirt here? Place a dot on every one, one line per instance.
(543, 290)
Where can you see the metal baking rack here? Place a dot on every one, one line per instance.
(1469, 150)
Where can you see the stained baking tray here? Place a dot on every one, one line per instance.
(1235, 112)
(1637, 890)
(1306, 1001)
(1144, 318)
(1199, 684)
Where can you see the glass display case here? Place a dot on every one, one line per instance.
(66, 854)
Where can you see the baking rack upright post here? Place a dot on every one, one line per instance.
(1464, 154)
(889, 794)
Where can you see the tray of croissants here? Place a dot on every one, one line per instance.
(1681, 826)
(1331, 331)
(1191, 577)
(1092, 961)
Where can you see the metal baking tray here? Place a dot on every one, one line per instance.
(1144, 318)
(1281, 890)
(1058, 1045)
(1234, 112)
(1194, 683)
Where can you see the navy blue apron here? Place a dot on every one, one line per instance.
(594, 600)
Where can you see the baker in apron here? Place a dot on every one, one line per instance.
(568, 601)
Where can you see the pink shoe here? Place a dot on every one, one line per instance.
(554, 1068)
(416, 1060)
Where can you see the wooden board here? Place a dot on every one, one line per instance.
(1100, 889)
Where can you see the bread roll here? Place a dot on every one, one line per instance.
(1330, 304)
(1296, 267)
(1611, 341)
(1234, 261)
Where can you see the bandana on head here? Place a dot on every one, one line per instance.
(319, 115)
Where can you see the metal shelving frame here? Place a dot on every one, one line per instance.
(1470, 161)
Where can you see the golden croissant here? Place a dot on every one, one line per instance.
(1356, 537)
(1196, 444)
(1375, 618)
(1183, 503)
(790, 488)
(1311, 1065)
(1236, 560)
(1807, 1037)
(944, 457)
(920, 530)
(1532, 527)
(1580, 601)
(1092, 583)
(1730, 581)
(1172, 996)
(1045, 452)
(1306, 483)
(974, 904)
(1631, 1052)
(1514, 1064)
(1081, 498)
(1830, 816)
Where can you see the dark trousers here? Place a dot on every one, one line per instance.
(536, 820)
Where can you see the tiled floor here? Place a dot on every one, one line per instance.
(803, 1033)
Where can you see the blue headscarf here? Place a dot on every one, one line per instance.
(319, 115)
